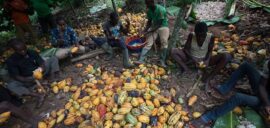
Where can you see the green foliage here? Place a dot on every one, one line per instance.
(229, 120)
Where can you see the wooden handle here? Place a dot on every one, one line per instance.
(40, 86)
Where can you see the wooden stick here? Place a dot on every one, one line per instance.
(40, 86)
(196, 84)
(89, 55)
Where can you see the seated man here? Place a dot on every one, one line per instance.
(21, 66)
(198, 48)
(260, 85)
(157, 25)
(114, 31)
(64, 37)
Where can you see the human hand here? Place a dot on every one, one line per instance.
(39, 69)
(267, 110)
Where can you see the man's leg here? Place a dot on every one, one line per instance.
(51, 66)
(20, 32)
(164, 34)
(62, 53)
(20, 89)
(125, 53)
(27, 117)
(180, 57)
(220, 62)
(239, 99)
(150, 41)
(244, 69)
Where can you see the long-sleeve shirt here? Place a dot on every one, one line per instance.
(68, 36)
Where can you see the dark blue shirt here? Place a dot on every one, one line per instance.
(24, 65)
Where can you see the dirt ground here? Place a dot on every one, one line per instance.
(252, 19)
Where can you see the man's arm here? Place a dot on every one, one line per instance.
(210, 48)
(24, 79)
(156, 27)
(264, 94)
(39, 60)
(188, 44)
(148, 25)
(54, 40)
(123, 29)
(73, 36)
(107, 33)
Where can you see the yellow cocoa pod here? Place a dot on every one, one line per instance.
(51, 123)
(42, 125)
(103, 99)
(196, 114)
(144, 119)
(69, 121)
(174, 118)
(37, 75)
(68, 105)
(162, 119)
(96, 101)
(179, 124)
(156, 103)
(77, 94)
(60, 112)
(116, 125)
(154, 112)
(66, 89)
(62, 84)
(74, 49)
(161, 110)
(192, 100)
(238, 110)
(124, 111)
(109, 116)
(108, 124)
(60, 118)
(134, 102)
(118, 117)
(178, 107)
(55, 89)
(79, 65)
(169, 109)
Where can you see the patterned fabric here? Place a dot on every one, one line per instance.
(69, 36)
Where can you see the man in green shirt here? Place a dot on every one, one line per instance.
(45, 17)
(157, 25)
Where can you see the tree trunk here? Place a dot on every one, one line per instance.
(114, 7)
(176, 29)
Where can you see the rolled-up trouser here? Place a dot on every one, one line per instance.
(51, 65)
(163, 33)
(63, 53)
(21, 88)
